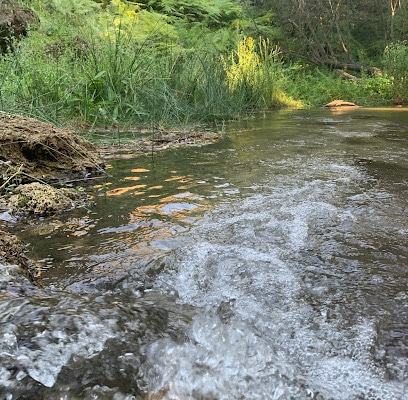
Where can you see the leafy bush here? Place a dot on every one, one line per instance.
(317, 86)
(396, 68)
(254, 73)
(171, 62)
(133, 66)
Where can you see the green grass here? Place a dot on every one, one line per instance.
(124, 65)
(95, 67)
(317, 86)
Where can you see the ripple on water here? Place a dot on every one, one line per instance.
(281, 336)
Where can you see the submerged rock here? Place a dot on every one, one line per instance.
(37, 198)
(12, 252)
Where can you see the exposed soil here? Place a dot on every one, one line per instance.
(41, 151)
(36, 160)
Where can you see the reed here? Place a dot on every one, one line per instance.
(115, 76)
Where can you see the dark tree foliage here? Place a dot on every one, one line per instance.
(339, 33)
(336, 33)
(214, 13)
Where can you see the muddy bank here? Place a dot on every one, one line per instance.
(41, 151)
(37, 160)
(40, 164)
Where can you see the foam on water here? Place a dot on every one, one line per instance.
(256, 336)
(49, 340)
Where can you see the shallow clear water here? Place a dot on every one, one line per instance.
(271, 265)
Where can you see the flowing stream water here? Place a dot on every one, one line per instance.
(270, 265)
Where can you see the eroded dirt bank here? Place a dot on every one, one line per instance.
(41, 151)
(40, 164)
(36, 160)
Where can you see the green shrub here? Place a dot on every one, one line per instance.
(254, 75)
(317, 86)
(396, 68)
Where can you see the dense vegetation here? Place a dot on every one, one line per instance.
(174, 62)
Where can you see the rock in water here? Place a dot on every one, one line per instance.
(339, 103)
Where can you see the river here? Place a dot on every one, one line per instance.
(272, 264)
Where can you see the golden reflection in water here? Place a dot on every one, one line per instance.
(140, 170)
(171, 199)
(175, 178)
(180, 179)
(132, 178)
(119, 191)
(186, 187)
(102, 186)
(342, 109)
(178, 206)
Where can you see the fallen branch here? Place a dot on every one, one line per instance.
(347, 76)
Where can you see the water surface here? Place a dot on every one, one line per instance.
(270, 265)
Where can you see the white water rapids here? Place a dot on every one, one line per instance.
(266, 341)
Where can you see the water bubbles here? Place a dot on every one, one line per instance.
(48, 342)
(218, 361)
(293, 286)
(278, 270)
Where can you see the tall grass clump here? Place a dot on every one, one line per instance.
(254, 75)
(128, 66)
(138, 82)
(36, 86)
(39, 77)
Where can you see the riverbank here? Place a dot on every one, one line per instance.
(45, 169)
